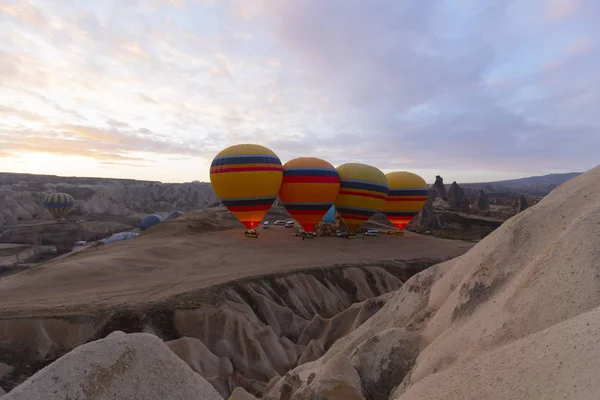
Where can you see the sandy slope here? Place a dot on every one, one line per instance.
(179, 256)
(516, 317)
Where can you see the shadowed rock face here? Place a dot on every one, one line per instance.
(439, 188)
(481, 202)
(522, 204)
(457, 198)
(239, 334)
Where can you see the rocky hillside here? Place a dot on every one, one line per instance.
(22, 195)
(516, 317)
(538, 186)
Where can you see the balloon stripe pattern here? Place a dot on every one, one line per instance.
(59, 204)
(407, 195)
(363, 190)
(309, 188)
(247, 178)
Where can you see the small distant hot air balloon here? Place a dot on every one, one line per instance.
(150, 220)
(175, 214)
(59, 204)
(406, 197)
(309, 188)
(363, 190)
(247, 178)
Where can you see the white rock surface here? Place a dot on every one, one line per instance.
(123, 366)
(240, 394)
(516, 317)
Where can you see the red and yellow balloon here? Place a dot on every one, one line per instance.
(247, 178)
(310, 186)
(363, 190)
(406, 196)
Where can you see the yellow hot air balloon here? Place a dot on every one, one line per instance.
(310, 186)
(59, 204)
(247, 178)
(363, 190)
(406, 197)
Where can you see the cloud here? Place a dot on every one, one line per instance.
(561, 9)
(503, 86)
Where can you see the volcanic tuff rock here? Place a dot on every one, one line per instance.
(239, 334)
(492, 323)
(481, 202)
(127, 367)
(457, 198)
(22, 198)
(439, 188)
(522, 204)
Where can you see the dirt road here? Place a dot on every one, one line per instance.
(175, 260)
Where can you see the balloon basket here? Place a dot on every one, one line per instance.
(308, 235)
(251, 233)
(400, 233)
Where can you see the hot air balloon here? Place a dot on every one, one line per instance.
(247, 178)
(175, 214)
(309, 188)
(363, 190)
(407, 195)
(330, 216)
(59, 204)
(150, 220)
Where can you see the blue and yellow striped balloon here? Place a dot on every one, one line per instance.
(406, 197)
(363, 190)
(247, 178)
(59, 204)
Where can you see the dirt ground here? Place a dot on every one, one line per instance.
(176, 259)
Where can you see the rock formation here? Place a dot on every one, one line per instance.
(121, 366)
(492, 323)
(522, 204)
(439, 188)
(22, 198)
(481, 202)
(457, 198)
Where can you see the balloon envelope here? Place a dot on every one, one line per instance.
(363, 190)
(58, 204)
(120, 236)
(406, 197)
(309, 188)
(330, 216)
(247, 178)
(175, 214)
(150, 220)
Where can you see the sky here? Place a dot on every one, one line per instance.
(471, 90)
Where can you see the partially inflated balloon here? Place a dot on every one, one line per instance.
(363, 190)
(59, 204)
(330, 216)
(310, 186)
(406, 197)
(247, 178)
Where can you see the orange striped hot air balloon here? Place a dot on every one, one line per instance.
(310, 186)
(363, 190)
(247, 178)
(406, 197)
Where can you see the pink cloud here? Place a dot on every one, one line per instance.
(561, 9)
